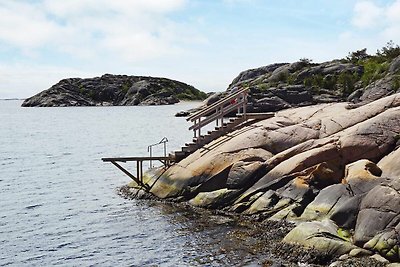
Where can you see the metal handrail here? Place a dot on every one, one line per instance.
(164, 141)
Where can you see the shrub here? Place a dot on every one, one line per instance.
(329, 82)
(316, 80)
(125, 87)
(358, 55)
(305, 61)
(373, 70)
(291, 79)
(263, 86)
(396, 83)
(389, 51)
(347, 82)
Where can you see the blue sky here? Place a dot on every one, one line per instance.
(205, 43)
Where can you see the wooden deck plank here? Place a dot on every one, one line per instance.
(125, 159)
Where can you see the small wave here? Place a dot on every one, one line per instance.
(63, 245)
(30, 207)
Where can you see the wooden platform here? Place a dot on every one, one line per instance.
(125, 159)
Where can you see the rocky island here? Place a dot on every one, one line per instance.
(114, 90)
(328, 161)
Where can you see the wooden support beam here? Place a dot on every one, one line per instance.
(130, 175)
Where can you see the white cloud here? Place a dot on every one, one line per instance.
(133, 30)
(24, 25)
(393, 12)
(376, 24)
(392, 31)
(367, 14)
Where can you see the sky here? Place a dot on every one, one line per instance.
(205, 43)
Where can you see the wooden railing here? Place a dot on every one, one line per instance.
(217, 111)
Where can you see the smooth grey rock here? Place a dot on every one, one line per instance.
(395, 65)
(319, 235)
(379, 210)
(359, 252)
(379, 258)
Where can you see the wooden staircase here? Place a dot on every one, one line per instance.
(217, 112)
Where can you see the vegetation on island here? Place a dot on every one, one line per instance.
(338, 78)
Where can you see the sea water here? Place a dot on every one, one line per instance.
(59, 203)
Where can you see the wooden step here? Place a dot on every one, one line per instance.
(190, 148)
(197, 139)
(190, 144)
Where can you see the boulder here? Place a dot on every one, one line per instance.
(213, 199)
(288, 196)
(361, 169)
(379, 210)
(376, 90)
(326, 202)
(341, 202)
(390, 164)
(395, 65)
(386, 243)
(321, 236)
(243, 173)
(255, 73)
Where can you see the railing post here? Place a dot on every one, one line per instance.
(151, 155)
(244, 104)
(138, 171)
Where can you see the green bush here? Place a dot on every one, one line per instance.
(329, 82)
(316, 80)
(358, 55)
(82, 89)
(263, 86)
(396, 83)
(283, 76)
(125, 87)
(347, 82)
(389, 51)
(189, 93)
(305, 61)
(373, 70)
(291, 79)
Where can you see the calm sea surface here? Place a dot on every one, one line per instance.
(59, 203)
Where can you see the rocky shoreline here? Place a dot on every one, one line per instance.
(332, 168)
(262, 238)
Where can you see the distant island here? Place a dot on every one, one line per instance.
(114, 90)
